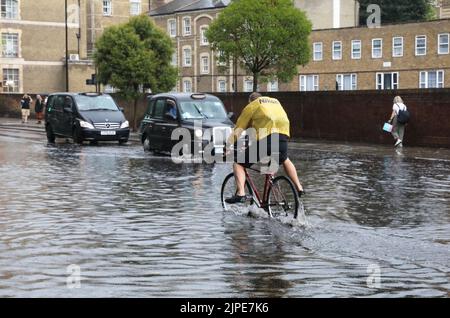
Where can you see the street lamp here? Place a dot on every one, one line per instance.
(67, 47)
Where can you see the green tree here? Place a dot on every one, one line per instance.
(393, 11)
(269, 38)
(133, 57)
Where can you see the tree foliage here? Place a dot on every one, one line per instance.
(269, 38)
(135, 56)
(396, 11)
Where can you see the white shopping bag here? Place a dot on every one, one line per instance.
(387, 127)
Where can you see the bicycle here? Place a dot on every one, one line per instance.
(279, 198)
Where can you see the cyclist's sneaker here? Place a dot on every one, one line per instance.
(236, 199)
(301, 193)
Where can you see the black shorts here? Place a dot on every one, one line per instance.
(262, 149)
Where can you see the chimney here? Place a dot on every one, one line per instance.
(155, 4)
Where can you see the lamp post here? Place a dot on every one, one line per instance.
(67, 47)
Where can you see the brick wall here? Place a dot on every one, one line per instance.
(341, 116)
(359, 116)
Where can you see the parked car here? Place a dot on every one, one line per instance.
(169, 111)
(85, 116)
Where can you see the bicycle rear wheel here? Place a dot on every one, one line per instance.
(229, 190)
(283, 198)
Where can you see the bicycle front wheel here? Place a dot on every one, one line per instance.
(283, 198)
(229, 190)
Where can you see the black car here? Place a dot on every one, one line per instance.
(169, 111)
(85, 116)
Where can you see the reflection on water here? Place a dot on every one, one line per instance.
(139, 225)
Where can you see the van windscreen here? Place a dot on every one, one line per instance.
(100, 102)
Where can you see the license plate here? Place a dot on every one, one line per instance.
(108, 133)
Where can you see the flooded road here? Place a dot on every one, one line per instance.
(136, 225)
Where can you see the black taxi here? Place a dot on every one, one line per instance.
(203, 116)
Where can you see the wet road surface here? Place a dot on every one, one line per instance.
(138, 225)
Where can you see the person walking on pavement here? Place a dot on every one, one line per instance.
(39, 108)
(398, 130)
(25, 105)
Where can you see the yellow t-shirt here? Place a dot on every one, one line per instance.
(266, 115)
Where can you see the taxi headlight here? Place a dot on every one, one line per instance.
(198, 133)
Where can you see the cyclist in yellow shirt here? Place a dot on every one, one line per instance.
(268, 118)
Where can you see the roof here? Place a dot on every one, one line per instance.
(183, 96)
(176, 6)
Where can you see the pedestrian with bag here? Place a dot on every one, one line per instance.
(39, 109)
(399, 118)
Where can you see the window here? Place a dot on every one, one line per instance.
(59, 102)
(172, 27)
(309, 83)
(346, 82)
(443, 40)
(187, 86)
(10, 45)
(10, 9)
(135, 7)
(337, 50)
(187, 57)
(397, 47)
(203, 38)
(107, 7)
(421, 45)
(174, 61)
(318, 51)
(248, 86)
(10, 80)
(221, 86)
(159, 107)
(272, 86)
(50, 102)
(150, 108)
(356, 49)
(387, 80)
(377, 48)
(432, 79)
(186, 26)
(204, 64)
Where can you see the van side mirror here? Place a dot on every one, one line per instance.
(230, 115)
(121, 109)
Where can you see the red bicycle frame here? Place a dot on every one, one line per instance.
(267, 184)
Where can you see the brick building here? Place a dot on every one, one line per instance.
(33, 41)
(400, 56)
(344, 56)
(186, 21)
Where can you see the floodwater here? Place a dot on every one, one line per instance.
(113, 221)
